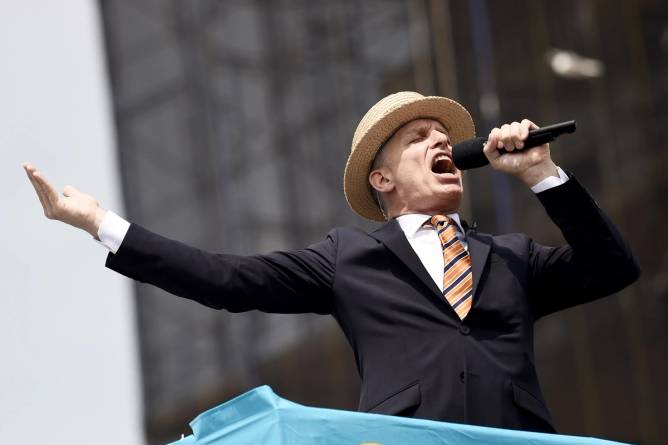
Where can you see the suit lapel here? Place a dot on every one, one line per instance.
(394, 239)
(479, 246)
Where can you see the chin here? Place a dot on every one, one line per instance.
(439, 204)
(451, 201)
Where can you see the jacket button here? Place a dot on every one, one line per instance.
(465, 330)
(462, 376)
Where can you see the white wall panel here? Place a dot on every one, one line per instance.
(68, 372)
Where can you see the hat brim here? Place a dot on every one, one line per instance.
(356, 187)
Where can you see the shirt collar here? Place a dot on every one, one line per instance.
(411, 223)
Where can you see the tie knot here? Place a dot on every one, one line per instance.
(440, 221)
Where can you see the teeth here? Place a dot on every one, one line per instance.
(447, 168)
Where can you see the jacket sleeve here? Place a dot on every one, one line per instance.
(281, 282)
(595, 263)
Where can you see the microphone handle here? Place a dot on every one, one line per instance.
(546, 134)
(469, 154)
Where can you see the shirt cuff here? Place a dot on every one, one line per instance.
(112, 231)
(550, 182)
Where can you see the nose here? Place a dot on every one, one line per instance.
(439, 140)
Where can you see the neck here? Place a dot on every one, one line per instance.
(405, 210)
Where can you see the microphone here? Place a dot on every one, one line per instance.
(468, 154)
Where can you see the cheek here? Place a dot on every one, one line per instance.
(413, 177)
(411, 170)
(403, 174)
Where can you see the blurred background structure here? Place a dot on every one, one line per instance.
(237, 114)
(231, 115)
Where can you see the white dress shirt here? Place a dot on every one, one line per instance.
(423, 239)
(426, 244)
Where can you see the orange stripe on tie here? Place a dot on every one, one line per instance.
(456, 261)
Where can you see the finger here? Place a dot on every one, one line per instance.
(515, 134)
(28, 167)
(69, 190)
(506, 138)
(526, 125)
(36, 187)
(49, 193)
(532, 126)
(44, 195)
(30, 171)
(499, 139)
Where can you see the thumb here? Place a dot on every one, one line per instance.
(70, 191)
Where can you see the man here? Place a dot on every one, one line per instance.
(439, 316)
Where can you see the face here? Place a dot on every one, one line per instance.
(417, 174)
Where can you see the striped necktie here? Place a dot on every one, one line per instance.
(457, 276)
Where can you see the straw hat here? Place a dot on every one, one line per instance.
(379, 124)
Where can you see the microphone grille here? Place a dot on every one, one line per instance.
(468, 154)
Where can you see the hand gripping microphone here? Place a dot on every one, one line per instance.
(468, 154)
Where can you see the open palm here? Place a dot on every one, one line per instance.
(72, 207)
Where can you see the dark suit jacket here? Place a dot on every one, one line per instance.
(414, 356)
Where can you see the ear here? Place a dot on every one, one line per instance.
(380, 180)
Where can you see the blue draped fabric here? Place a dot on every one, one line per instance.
(261, 417)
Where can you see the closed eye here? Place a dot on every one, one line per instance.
(447, 140)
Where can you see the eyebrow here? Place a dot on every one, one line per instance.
(421, 128)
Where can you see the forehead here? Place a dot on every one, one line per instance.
(421, 124)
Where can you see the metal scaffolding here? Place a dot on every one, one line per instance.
(234, 121)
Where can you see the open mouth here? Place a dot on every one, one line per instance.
(442, 164)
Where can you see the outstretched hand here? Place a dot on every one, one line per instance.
(73, 207)
(530, 166)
